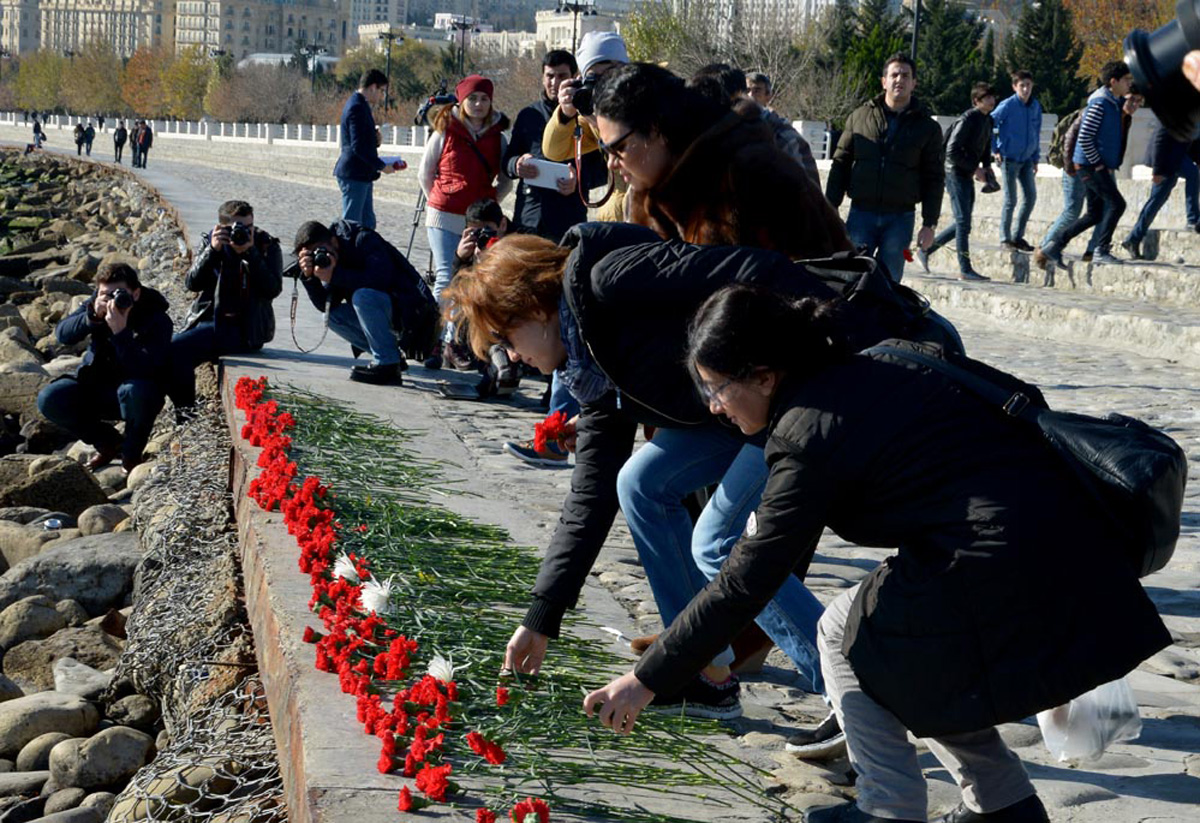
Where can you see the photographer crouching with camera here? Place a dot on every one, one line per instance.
(369, 292)
(124, 371)
(238, 271)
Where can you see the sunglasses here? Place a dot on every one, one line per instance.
(614, 149)
(711, 393)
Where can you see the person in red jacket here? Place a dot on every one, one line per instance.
(462, 164)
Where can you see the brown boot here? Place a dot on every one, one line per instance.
(638, 645)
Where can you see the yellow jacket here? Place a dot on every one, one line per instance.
(558, 144)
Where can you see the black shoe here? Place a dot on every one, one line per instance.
(971, 274)
(923, 259)
(1009, 245)
(825, 742)
(1029, 810)
(1087, 257)
(460, 358)
(1105, 258)
(377, 374)
(1022, 245)
(847, 813)
(355, 350)
(434, 360)
(1134, 247)
(1194, 227)
(703, 698)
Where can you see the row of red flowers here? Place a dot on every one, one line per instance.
(368, 656)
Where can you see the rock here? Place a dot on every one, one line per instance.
(178, 787)
(31, 664)
(16, 347)
(77, 815)
(11, 318)
(101, 519)
(36, 322)
(96, 571)
(18, 542)
(164, 740)
(136, 710)
(138, 477)
(111, 477)
(9, 690)
(20, 383)
(63, 484)
(46, 462)
(74, 614)
(30, 618)
(65, 285)
(64, 799)
(7, 766)
(25, 718)
(100, 801)
(63, 364)
(35, 755)
(73, 677)
(42, 436)
(22, 783)
(22, 514)
(65, 521)
(109, 757)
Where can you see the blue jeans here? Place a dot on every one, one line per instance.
(679, 560)
(1073, 191)
(443, 245)
(358, 201)
(961, 189)
(365, 322)
(1017, 173)
(561, 400)
(1159, 194)
(882, 235)
(203, 343)
(1105, 205)
(82, 407)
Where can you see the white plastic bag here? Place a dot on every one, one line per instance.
(1089, 724)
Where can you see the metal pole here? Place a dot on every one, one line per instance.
(916, 27)
(387, 89)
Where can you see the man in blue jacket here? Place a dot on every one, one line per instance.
(1098, 153)
(1017, 144)
(1170, 159)
(359, 165)
(124, 371)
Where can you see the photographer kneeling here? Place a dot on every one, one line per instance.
(369, 290)
(124, 370)
(238, 271)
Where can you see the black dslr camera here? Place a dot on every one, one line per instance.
(583, 99)
(122, 299)
(1156, 60)
(321, 258)
(239, 234)
(441, 97)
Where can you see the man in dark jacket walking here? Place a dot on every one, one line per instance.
(1169, 159)
(123, 375)
(238, 271)
(888, 159)
(89, 137)
(359, 166)
(369, 292)
(145, 139)
(120, 136)
(968, 158)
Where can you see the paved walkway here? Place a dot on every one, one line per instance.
(1157, 778)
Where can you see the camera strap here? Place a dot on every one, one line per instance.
(579, 186)
(292, 317)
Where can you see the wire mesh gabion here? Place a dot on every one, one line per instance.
(190, 647)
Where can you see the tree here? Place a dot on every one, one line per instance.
(142, 82)
(655, 33)
(1108, 21)
(185, 81)
(91, 79)
(1044, 43)
(257, 93)
(949, 60)
(39, 81)
(880, 35)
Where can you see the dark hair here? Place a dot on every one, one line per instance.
(732, 81)
(981, 90)
(742, 328)
(759, 77)
(373, 77)
(1021, 74)
(484, 210)
(900, 57)
(114, 271)
(1113, 70)
(310, 234)
(560, 57)
(234, 208)
(648, 98)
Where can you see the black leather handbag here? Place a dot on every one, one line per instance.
(1136, 472)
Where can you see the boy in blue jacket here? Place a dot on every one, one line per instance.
(1017, 145)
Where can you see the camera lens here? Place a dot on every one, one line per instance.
(582, 101)
(239, 235)
(321, 259)
(122, 299)
(1156, 60)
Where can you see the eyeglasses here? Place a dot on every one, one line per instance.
(711, 393)
(614, 148)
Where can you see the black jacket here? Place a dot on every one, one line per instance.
(359, 159)
(120, 135)
(138, 352)
(969, 143)
(237, 289)
(889, 175)
(538, 210)
(1008, 595)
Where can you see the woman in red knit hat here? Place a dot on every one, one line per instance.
(462, 164)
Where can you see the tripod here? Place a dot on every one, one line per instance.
(412, 236)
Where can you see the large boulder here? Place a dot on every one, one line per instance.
(25, 718)
(81, 814)
(19, 542)
(22, 514)
(96, 571)
(31, 664)
(63, 364)
(20, 383)
(60, 484)
(111, 756)
(16, 347)
(30, 618)
(9, 690)
(35, 755)
(27, 784)
(135, 710)
(10, 317)
(42, 436)
(101, 519)
(64, 799)
(73, 677)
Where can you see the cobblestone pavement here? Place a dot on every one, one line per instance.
(1157, 778)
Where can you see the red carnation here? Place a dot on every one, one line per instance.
(531, 805)
(501, 696)
(551, 430)
(434, 781)
(485, 816)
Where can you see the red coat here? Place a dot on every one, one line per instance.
(468, 166)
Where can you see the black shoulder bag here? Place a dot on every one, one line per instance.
(1134, 471)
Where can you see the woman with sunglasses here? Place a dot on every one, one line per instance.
(1010, 592)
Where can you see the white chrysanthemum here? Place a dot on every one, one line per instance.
(376, 596)
(343, 567)
(441, 668)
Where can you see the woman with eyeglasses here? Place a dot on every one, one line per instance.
(1009, 593)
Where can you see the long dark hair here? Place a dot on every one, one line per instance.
(649, 98)
(742, 328)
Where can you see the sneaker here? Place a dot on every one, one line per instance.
(971, 274)
(1134, 247)
(825, 742)
(1087, 257)
(846, 813)
(460, 358)
(550, 456)
(1009, 245)
(638, 645)
(377, 374)
(1194, 227)
(434, 361)
(703, 698)
(1105, 258)
(1052, 256)
(1029, 810)
(103, 456)
(923, 259)
(1022, 245)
